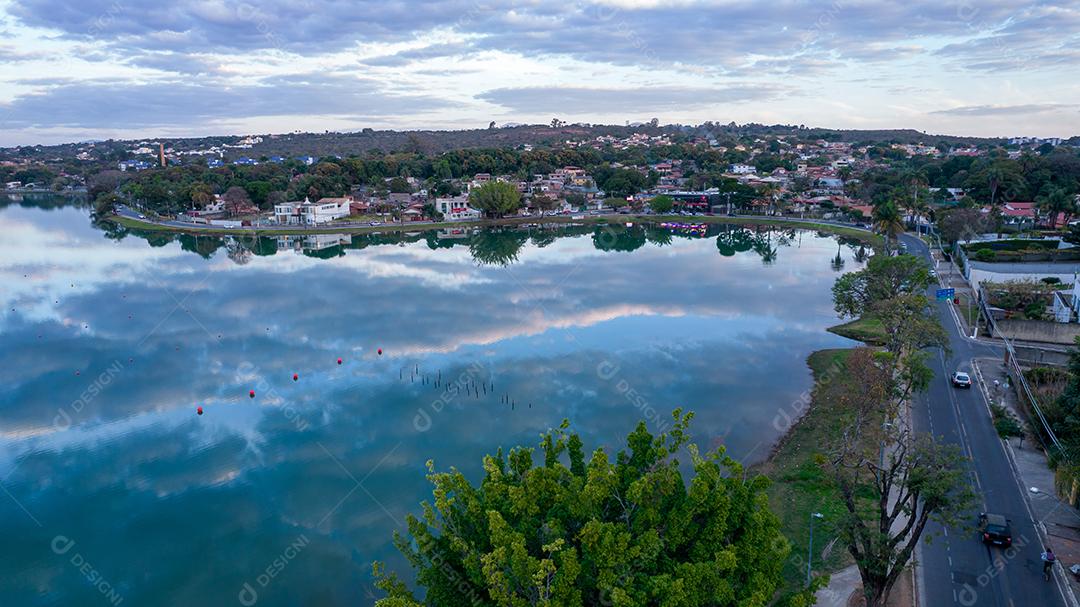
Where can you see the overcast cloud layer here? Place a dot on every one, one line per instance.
(99, 68)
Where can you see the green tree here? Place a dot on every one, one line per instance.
(572, 532)
(889, 221)
(661, 204)
(883, 278)
(258, 190)
(1057, 202)
(400, 185)
(105, 204)
(543, 203)
(495, 198)
(1073, 235)
(431, 212)
(201, 195)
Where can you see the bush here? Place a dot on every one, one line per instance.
(1012, 245)
(1005, 422)
(1051, 280)
(985, 255)
(1035, 310)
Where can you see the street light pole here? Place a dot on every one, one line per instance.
(810, 549)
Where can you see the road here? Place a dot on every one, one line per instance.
(957, 568)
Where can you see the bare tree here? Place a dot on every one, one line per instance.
(236, 199)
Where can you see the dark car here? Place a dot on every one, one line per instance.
(961, 380)
(995, 529)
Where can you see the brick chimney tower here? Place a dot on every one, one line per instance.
(161, 154)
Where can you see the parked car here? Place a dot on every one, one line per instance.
(961, 380)
(141, 216)
(995, 529)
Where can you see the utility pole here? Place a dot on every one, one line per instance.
(810, 549)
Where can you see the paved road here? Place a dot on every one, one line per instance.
(957, 568)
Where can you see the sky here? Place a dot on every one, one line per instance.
(72, 70)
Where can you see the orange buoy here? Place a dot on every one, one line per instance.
(199, 410)
(251, 394)
(295, 376)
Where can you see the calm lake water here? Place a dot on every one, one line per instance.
(114, 491)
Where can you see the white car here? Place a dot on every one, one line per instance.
(961, 380)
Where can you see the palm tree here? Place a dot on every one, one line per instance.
(1056, 202)
(837, 262)
(861, 255)
(888, 221)
(770, 192)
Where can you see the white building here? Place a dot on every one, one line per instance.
(1066, 303)
(311, 213)
(743, 169)
(456, 208)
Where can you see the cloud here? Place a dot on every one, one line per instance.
(1004, 110)
(208, 60)
(119, 104)
(577, 100)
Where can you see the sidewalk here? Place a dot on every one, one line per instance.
(844, 590)
(1056, 519)
(949, 276)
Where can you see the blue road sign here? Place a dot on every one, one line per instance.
(946, 293)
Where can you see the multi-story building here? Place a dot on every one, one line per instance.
(312, 213)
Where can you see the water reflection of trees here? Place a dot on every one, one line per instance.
(618, 238)
(497, 247)
(502, 246)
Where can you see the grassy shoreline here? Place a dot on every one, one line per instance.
(799, 487)
(839, 230)
(866, 329)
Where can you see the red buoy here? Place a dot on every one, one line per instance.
(199, 410)
(295, 376)
(251, 394)
(339, 361)
(380, 351)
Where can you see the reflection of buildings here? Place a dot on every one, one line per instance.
(312, 242)
(454, 233)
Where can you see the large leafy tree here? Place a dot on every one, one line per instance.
(661, 204)
(495, 198)
(572, 531)
(883, 278)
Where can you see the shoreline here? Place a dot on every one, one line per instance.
(793, 222)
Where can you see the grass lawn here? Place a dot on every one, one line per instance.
(799, 487)
(866, 329)
(968, 309)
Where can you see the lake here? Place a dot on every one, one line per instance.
(114, 490)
